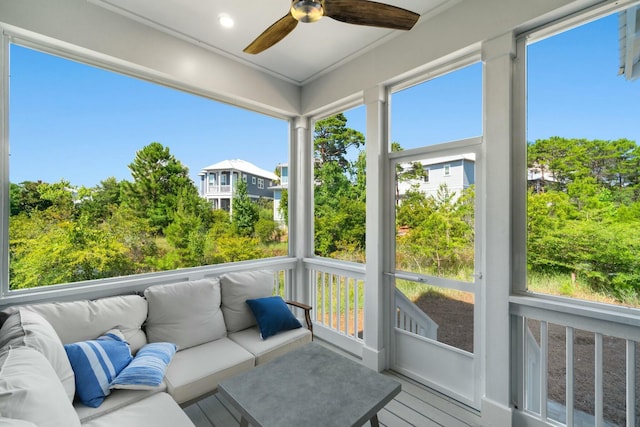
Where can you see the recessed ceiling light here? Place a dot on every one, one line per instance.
(225, 20)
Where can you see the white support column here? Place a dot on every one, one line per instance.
(4, 165)
(497, 55)
(375, 319)
(301, 202)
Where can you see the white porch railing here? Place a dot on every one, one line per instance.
(410, 318)
(219, 189)
(336, 290)
(566, 330)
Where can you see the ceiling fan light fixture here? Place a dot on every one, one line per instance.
(307, 10)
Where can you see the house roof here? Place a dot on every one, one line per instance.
(445, 159)
(629, 32)
(239, 165)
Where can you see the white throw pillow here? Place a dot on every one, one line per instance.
(31, 390)
(236, 289)
(85, 320)
(26, 328)
(185, 313)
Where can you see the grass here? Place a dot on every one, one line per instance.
(565, 285)
(415, 290)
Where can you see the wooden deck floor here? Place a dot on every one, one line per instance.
(414, 406)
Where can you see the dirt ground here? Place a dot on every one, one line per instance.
(455, 320)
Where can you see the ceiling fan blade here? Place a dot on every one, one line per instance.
(370, 13)
(272, 35)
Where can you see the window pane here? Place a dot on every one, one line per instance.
(443, 315)
(109, 175)
(435, 216)
(583, 164)
(447, 108)
(340, 186)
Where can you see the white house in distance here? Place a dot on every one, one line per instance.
(218, 182)
(283, 184)
(457, 172)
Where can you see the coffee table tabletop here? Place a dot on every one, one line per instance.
(310, 386)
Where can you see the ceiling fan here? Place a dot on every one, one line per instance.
(359, 12)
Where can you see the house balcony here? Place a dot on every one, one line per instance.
(218, 190)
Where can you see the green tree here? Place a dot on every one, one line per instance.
(284, 205)
(158, 178)
(339, 197)
(47, 251)
(439, 231)
(245, 213)
(100, 202)
(406, 172)
(26, 197)
(333, 139)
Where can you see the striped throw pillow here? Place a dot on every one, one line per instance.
(95, 364)
(146, 370)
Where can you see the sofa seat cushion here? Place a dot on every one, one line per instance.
(116, 400)
(276, 345)
(158, 410)
(26, 328)
(85, 320)
(196, 371)
(185, 313)
(236, 289)
(30, 390)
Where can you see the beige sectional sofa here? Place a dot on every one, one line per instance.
(208, 320)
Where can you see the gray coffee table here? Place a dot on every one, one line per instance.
(310, 386)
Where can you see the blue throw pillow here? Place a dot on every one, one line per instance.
(146, 370)
(272, 315)
(95, 364)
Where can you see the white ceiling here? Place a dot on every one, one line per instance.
(308, 52)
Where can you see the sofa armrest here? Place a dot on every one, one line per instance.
(307, 313)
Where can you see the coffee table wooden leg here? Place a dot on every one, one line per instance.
(374, 421)
(244, 422)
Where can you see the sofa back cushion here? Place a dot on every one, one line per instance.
(236, 289)
(12, 422)
(85, 320)
(31, 390)
(26, 328)
(185, 313)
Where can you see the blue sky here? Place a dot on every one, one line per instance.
(75, 122)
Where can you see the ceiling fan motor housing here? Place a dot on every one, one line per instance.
(307, 10)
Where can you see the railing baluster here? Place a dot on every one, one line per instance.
(544, 354)
(631, 383)
(324, 298)
(331, 322)
(346, 304)
(569, 376)
(598, 380)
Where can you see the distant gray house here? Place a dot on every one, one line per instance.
(218, 182)
(457, 172)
